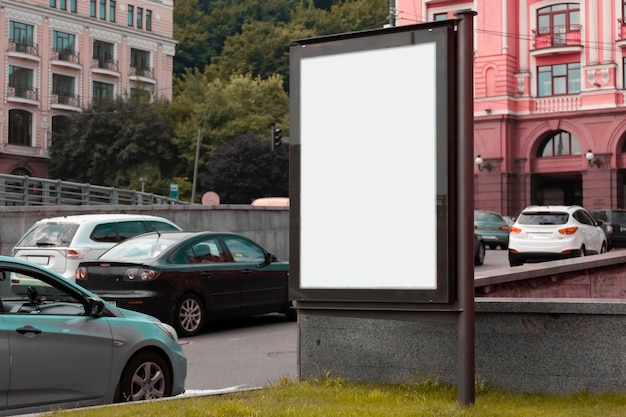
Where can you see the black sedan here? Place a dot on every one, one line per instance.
(189, 278)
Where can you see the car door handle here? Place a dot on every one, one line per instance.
(28, 329)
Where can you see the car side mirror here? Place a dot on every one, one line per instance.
(96, 307)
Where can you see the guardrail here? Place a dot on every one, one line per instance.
(17, 190)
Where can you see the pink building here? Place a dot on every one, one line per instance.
(549, 108)
(60, 55)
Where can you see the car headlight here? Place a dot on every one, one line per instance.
(169, 330)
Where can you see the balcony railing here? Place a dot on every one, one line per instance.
(65, 98)
(29, 93)
(66, 55)
(556, 36)
(24, 47)
(107, 64)
(557, 104)
(145, 72)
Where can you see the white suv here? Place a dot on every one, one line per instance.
(543, 233)
(61, 243)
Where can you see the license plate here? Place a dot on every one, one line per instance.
(487, 237)
(40, 260)
(538, 236)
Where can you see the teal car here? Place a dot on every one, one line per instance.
(61, 346)
(493, 228)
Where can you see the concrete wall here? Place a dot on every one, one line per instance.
(556, 327)
(269, 226)
(525, 345)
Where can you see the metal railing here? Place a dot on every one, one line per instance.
(17, 190)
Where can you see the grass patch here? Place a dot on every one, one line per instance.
(335, 397)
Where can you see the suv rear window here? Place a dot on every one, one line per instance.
(49, 235)
(542, 217)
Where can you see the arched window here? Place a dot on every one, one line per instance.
(20, 127)
(21, 171)
(559, 143)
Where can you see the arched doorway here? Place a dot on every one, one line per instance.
(561, 185)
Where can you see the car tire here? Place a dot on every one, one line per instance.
(189, 315)
(583, 251)
(603, 248)
(291, 314)
(479, 258)
(493, 246)
(146, 376)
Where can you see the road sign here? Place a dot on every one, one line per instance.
(173, 190)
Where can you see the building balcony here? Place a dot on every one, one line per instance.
(65, 101)
(23, 49)
(557, 104)
(145, 74)
(20, 150)
(560, 39)
(105, 66)
(66, 57)
(28, 95)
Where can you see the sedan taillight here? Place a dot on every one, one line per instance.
(515, 229)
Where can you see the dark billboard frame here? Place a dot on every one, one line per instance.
(403, 294)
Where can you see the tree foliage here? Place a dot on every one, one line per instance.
(114, 142)
(246, 168)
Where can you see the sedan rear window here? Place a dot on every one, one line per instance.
(542, 218)
(49, 235)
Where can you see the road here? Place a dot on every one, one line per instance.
(241, 354)
(494, 258)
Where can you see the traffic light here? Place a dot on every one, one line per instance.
(277, 137)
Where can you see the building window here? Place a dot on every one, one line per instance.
(21, 82)
(92, 8)
(112, 4)
(20, 127)
(103, 53)
(140, 63)
(53, 3)
(21, 35)
(65, 45)
(62, 4)
(557, 20)
(63, 88)
(131, 13)
(560, 79)
(149, 20)
(102, 90)
(140, 94)
(73, 6)
(440, 16)
(139, 18)
(103, 9)
(560, 143)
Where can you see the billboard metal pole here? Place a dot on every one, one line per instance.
(465, 189)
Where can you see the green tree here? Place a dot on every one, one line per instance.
(246, 168)
(113, 143)
(222, 110)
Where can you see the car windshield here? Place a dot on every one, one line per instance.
(49, 235)
(543, 218)
(140, 248)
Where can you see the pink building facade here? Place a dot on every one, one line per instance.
(549, 107)
(58, 56)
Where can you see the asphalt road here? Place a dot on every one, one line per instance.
(494, 258)
(241, 354)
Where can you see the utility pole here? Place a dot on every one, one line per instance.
(195, 168)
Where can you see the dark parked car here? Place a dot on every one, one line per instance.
(492, 227)
(479, 250)
(613, 224)
(189, 278)
(61, 346)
